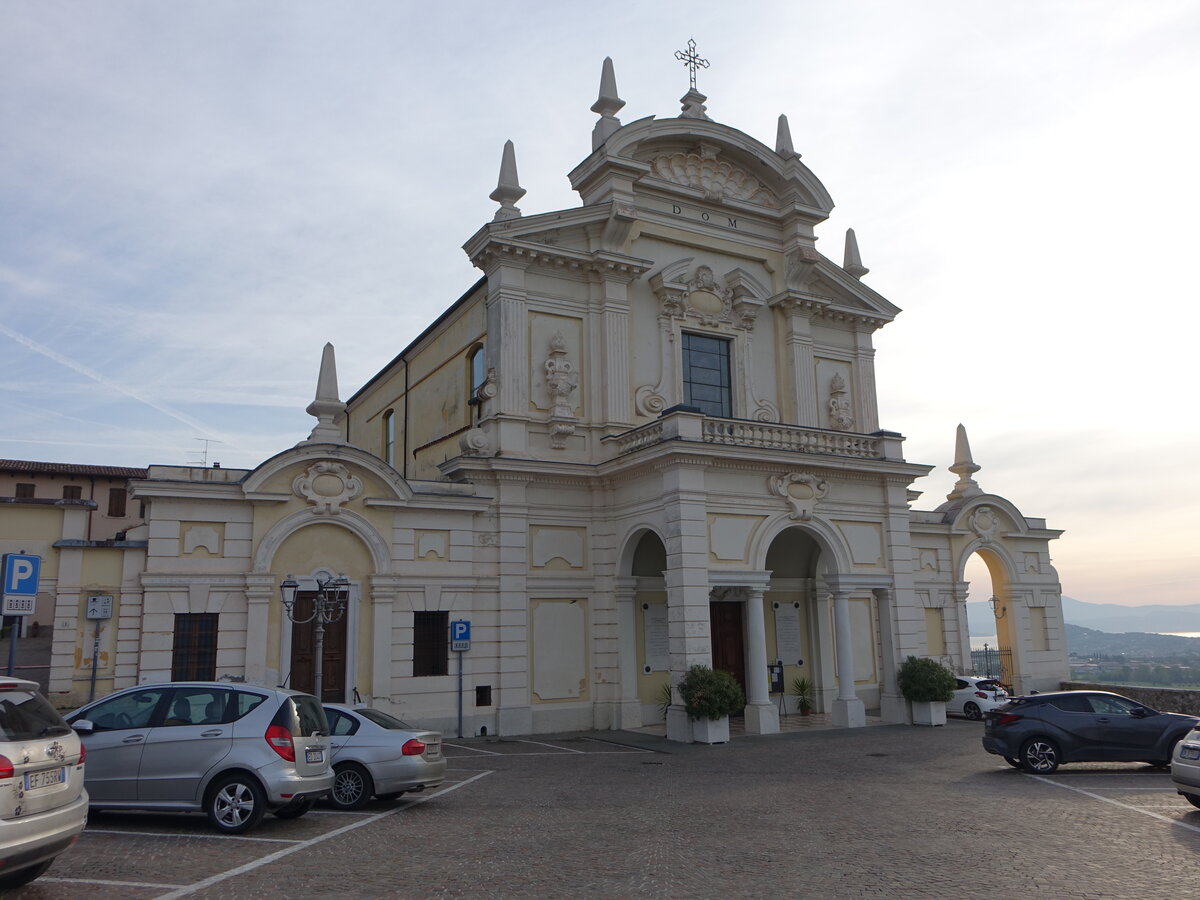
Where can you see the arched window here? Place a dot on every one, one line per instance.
(389, 438)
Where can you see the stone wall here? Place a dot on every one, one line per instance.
(1162, 699)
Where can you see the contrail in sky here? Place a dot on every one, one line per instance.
(100, 379)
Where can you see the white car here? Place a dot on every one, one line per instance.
(1185, 767)
(43, 804)
(375, 754)
(974, 695)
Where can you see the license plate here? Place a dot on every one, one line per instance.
(1189, 753)
(314, 756)
(44, 778)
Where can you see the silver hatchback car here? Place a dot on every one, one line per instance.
(43, 805)
(233, 751)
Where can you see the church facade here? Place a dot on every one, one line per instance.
(646, 438)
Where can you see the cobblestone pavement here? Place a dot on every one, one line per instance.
(887, 811)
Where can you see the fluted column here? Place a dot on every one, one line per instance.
(761, 715)
(848, 710)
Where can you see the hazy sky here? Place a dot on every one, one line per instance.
(195, 196)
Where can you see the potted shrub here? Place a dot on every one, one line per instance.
(802, 690)
(710, 698)
(927, 685)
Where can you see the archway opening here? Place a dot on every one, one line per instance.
(794, 560)
(988, 620)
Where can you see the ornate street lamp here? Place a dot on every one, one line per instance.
(328, 606)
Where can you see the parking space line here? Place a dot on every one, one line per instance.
(186, 834)
(337, 832)
(1136, 809)
(551, 746)
(474, 749)
(133, 884)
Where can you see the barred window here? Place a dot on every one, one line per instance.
(389, 437)
(72, 492)
(431, 643)
(194, 655)
(24, 491)
(116, 503)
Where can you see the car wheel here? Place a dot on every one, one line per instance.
(1166, 763)
(352, 786)
(391, 795)
(235, 803)
(1039, 755)
(24, 876)
(295, 809)
(1192, 799)
(1013, 761)
(972, 712)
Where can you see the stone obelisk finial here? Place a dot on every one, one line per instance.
(783, 140)
(606, 105)
(853, 262)
(964, 467)
(326, 406)
(507, 191)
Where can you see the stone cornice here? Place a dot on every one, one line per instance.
(493, 249)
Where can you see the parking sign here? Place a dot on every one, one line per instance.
(21, 572)
(460, 635)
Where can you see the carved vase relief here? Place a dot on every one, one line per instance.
(841, 414)
(561, 381)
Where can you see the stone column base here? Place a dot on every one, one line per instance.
(679, 726)
(849, 713)
(762, 718)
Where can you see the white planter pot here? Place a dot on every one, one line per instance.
(711, 731)
(928, 713)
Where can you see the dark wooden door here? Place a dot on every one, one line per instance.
(333, 673)
(728, 642)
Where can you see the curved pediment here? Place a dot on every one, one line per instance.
(327, 476)
(703, 160)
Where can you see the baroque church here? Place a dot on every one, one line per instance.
(647, 437)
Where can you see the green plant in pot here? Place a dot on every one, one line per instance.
(710, 697)
(802, 690)
(927, 685)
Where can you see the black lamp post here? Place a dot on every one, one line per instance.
(329, 605)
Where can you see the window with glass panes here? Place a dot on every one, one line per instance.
(431, 643)
(706, 382)
(194, 654)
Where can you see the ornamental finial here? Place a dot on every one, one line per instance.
(507, 191)
(606, 105)
(964, 467)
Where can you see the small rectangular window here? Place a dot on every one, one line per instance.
(431, 643)
(194, 654)
(389, 437)
(24, 491)
(72, 492)
(116, 503)
(706, 382)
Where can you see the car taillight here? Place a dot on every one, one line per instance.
(6, 767)
(981, 695)
(280, 740)
(1007, 719)
(413, 747)
(82, 754)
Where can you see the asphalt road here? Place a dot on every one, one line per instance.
(886, 811)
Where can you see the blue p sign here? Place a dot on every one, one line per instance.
(21, 574)
(460, 635)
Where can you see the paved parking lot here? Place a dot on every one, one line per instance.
(886, 811)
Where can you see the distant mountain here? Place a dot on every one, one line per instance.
(1109, 617)
(1133, 644)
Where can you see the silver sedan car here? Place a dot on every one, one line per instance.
(375, 754)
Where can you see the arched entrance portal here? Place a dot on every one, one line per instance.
(792, 560)
(991, 651)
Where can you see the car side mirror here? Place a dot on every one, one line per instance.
(83, 726)
(1141, 712)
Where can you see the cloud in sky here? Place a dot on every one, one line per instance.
(198, 195)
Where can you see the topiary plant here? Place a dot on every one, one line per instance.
(924, 680)
(709, 694)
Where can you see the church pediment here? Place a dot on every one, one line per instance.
(719, 180)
